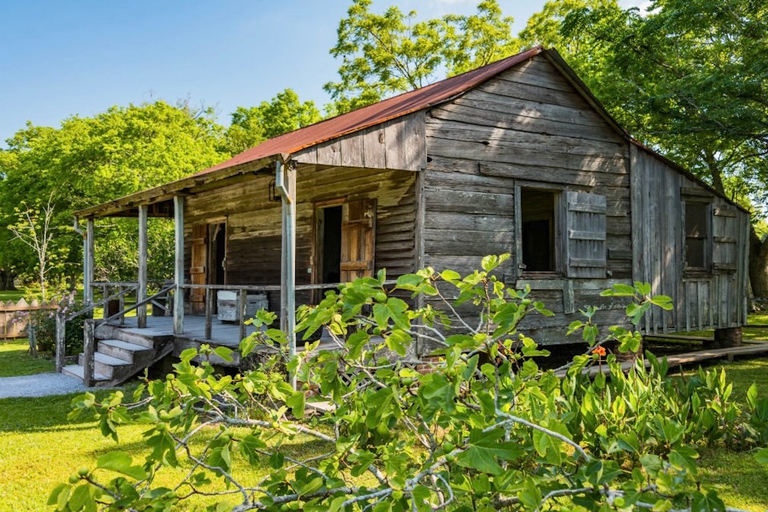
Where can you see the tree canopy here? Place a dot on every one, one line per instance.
(388, 53)
(283, 113)
(95, 159)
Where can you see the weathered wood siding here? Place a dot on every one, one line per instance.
(254, 222)
(396, 144)
(530, 128)
(715, 298)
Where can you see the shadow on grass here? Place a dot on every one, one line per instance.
(35, 414)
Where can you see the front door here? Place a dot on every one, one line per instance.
(357, 239)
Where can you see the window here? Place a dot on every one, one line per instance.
(561, 231)
(697, 231)
(537, 212)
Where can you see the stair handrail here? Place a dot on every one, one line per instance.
(62, 319)
(103, 302)
(149, 299)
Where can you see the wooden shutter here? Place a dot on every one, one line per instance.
(197, 267)
(584, 233)
(725, 229)
(358, 226)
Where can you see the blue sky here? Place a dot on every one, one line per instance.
(60, 58)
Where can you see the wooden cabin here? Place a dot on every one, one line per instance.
(517, 156)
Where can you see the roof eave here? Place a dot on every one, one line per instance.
(174, 188)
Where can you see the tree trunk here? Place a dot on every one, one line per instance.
(758, 264)
(6, 280)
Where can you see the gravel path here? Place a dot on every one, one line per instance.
(42, 384)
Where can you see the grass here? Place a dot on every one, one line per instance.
(40, 448)
(736, 476)
(15, 360)
(14, 295)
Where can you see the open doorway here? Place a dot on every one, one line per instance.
(330, 244)
(217, 253)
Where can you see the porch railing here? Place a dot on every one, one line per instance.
(123, 291)
(163, 300)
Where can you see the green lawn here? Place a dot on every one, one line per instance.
(14, 295)
(15, 360)
(737, 477)
(40, 448)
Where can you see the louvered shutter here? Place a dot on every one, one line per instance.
(724, 235)
(585, 248)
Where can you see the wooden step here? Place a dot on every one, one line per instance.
(106, 365)
(76, 370)
(125, 350)
(144, 337)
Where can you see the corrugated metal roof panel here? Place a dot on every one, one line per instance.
(377, 113)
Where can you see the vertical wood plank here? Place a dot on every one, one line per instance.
(60, 335)
(88, 349)
(178, 271)
(141, 313)
(241, 305)
(88, 259)
(208, 313)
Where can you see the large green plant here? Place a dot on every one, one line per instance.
(479, 427)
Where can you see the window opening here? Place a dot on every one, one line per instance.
(696, 235)
(537, 211)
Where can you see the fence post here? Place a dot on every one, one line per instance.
(61, 326)
(32, 337)
(88, 352)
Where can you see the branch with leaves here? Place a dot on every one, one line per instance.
(480, 427)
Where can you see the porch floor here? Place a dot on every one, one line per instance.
(226, 334)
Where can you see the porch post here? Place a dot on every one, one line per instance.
(285, 182)
(178, 274)
(88, 247)
(141, 313)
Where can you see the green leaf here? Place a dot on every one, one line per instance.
(708, 502)
(762, 456)
(121, 463)
(492, 261)
(297, 403)
(752, 395)
(59, 496)
(479, 458)
(224, 352)
(399, 341)
(619, 290)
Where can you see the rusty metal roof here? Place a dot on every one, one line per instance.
(377, 113)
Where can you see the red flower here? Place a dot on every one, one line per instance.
(599, 351)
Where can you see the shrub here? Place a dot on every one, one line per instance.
(480, 427)
(44, 323)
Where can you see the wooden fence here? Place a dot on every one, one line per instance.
(14, 317)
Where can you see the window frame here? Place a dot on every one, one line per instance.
(708, 249)
(557, 250)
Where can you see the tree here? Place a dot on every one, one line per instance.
(91, 160)
(479, 428)
(282, 114)
(384, 54)
(34, 228)
(687, 78)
